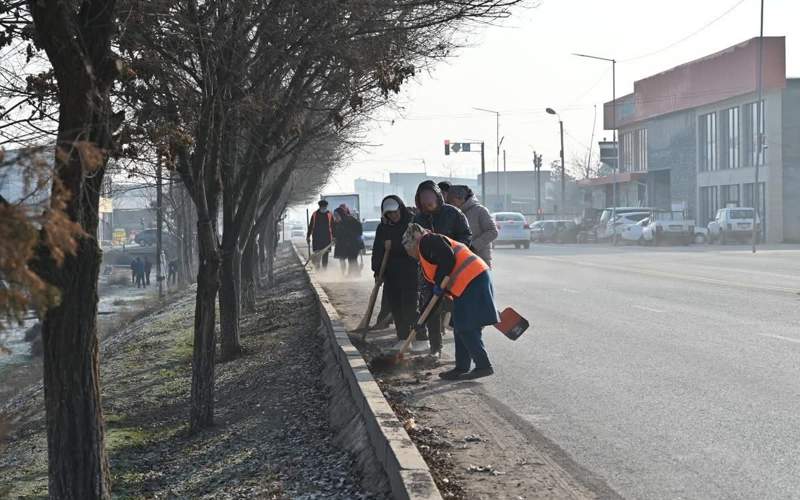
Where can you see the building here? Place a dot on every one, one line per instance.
(372, 193)
(688, 139)
(517, 191)
(408, 182)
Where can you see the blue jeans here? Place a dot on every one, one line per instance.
(469, 348)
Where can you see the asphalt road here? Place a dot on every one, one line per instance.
(667, 372)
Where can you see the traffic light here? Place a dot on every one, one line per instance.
(447, 147)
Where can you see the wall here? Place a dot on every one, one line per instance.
(671, 147)
(791, 161)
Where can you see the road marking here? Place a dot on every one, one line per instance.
(570, 290)
(664, 274)
(645, 308)
(779, 337)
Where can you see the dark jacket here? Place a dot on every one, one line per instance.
(348, 233)
(319, 230)
(447, 220)
(401, 270)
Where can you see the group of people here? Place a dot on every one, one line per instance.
(447, 234)
(140, 272)
(341, 226)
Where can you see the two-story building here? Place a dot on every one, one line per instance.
(688, 139)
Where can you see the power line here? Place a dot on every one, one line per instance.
(690, 35)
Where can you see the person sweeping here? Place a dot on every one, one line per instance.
(470, 287)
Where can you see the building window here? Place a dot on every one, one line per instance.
(634, 150)
(729, 142)
(729, 195)
(708, 142)
(709, 203)
(750, 132)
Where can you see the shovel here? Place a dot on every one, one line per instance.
(394, 360)
(364, 325)
(318, 252)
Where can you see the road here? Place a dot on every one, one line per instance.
(669, 372)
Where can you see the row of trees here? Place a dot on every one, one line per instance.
(250, 103)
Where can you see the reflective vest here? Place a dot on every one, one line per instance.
(468, 267)
(330, 222)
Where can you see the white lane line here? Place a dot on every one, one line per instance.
(570, 290)
(645, 308)
(779, 337)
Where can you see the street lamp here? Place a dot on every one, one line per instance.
(613, 112)
(552, 111)
(760, 146)
(497, 150)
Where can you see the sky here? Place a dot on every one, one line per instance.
(524, 65)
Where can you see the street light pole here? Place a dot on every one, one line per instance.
(483, 173)
(759, 117)
(551, 111)
(497, 148)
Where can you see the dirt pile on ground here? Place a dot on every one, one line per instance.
(271, 440)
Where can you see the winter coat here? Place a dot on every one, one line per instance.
(320, 229)
(348, 237)
(401, 270)
(484, 230)
(447, 220)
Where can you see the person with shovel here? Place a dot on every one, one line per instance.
(320, 232)
(400, 275)
(470, 286)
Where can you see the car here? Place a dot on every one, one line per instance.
(566, 231)
(605, 230)
(542, 230)
(146, 238)
(369, 228)
(613, 229)
(512, 229)
(669, 226)
(634, 232)
(732, 224)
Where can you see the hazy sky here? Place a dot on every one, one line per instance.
(525, 65)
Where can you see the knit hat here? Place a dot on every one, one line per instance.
(389, 205)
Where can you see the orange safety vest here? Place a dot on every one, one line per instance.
(330, 222)
(468, 267)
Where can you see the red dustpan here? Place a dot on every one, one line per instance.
(512, 325)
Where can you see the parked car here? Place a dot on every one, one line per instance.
(146, 238)
(543, 231)
(370, 226)
(700, 235)
(732, 224)
(605, 230)
(613, 229)
(634, 232)
(512, 229)
(669, 226)
(566, 231)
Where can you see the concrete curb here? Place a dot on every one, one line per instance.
(408, 475)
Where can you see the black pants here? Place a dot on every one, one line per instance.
(402, 301)
(147, 278)
(323, 259)
(434, 323)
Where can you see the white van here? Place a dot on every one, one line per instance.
(735, 223)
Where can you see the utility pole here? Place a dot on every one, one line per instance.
(483, 173)
(537, 165)
(159, 229)
(563, 169)
(505, 182)
(759, 133)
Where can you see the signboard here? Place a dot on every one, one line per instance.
(105, 205)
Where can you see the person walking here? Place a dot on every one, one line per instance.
(439, 217)
(481, 223)
(134, 267)
(348, 231)
(139, 273)
(148, 267)
(320, 232)
(172, 277)
(470, 286)
(400, 277)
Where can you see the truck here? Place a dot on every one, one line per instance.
(669, 225)
(349, 199)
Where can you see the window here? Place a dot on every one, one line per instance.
(750, 132)
(729, 195)
(509, 217)
(634, 150)
(708, 142)
(729, 143)
(709, 203)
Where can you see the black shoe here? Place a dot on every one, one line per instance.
(453, 374)
(477, 373)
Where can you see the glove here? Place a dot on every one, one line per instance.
(437, 290)
(420, 329)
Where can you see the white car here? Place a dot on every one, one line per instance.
(369, 227)
(634, 232)
(614, 229)
(732, 224)
(669, 225)
(512, 229)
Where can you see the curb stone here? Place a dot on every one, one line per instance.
(409, 477)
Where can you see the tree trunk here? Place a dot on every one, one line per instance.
(250, 277)
(230, 302)
(201, 413)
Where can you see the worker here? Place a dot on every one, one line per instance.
(400, 277)
(320, 232)
(439, 217)
(148, 268)
(348, 231)
(470, 287)
(481, 223)
(444, 187)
